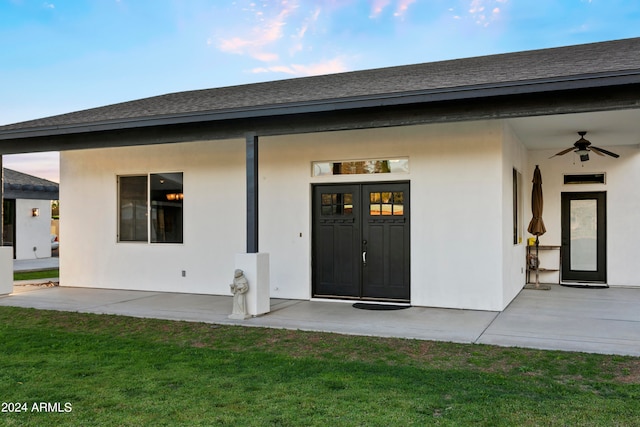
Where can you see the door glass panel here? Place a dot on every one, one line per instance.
(386, 203)
(398, 203)
(348, 203)
(374, 204)
(584, 241)
(387, 206)
(336, 203)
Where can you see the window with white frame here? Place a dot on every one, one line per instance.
(150, 208)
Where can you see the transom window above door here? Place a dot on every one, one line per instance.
(361, 167)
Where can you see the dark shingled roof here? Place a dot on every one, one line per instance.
(615, 57)
(18, 185)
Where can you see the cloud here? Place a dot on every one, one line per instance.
(298, 37)
(265, 33)
(402, 7)
(335, 65)
(377, 7)
(480, 13)
(275, 33)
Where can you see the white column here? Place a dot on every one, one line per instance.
(256, 270)
(6, 270)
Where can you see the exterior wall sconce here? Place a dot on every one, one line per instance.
(35, 212)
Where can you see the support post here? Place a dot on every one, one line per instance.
(254, 265)
(256, 269)
(252, 193)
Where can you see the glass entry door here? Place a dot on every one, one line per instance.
(584, 237)
(361, 241)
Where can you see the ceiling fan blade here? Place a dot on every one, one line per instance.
(602, 150)
(598, 152)
(563, 152)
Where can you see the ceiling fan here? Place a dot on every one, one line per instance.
(582, 148)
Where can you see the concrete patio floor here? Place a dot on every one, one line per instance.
(573, 319)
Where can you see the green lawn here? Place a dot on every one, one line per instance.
(31, 275)
(114, 371)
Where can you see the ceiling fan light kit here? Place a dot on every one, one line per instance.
(582, 147)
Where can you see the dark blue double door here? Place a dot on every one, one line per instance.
(361, 246)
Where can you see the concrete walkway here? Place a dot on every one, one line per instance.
(36, 264)
(573, 319)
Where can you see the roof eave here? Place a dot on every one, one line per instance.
(460, 93)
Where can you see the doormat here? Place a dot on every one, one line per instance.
(365, 306)
(585, 285)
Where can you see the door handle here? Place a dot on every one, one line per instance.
(364, 253)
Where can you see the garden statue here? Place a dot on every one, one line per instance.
(239, 288)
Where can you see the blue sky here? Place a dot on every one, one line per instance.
(58, 56)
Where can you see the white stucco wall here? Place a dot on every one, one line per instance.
(214, 220)
(33, 231)
(6, 270)
(458, 204)
(623, 203)
(514, 156)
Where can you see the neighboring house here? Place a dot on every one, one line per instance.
(27, 214)
(406, 184)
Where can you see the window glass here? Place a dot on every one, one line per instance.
(584, 235)
(398, 203)
(166, 199)
(336, 203)
(361, 167)
(517, 207)
(593, 178)
(8, 221)
(133, 209)
(386, 203)
(162, 223)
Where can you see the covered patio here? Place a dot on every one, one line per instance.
(603, 321)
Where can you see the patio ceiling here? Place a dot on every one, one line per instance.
(605, 129)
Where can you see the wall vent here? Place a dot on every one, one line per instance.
(591, 178)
